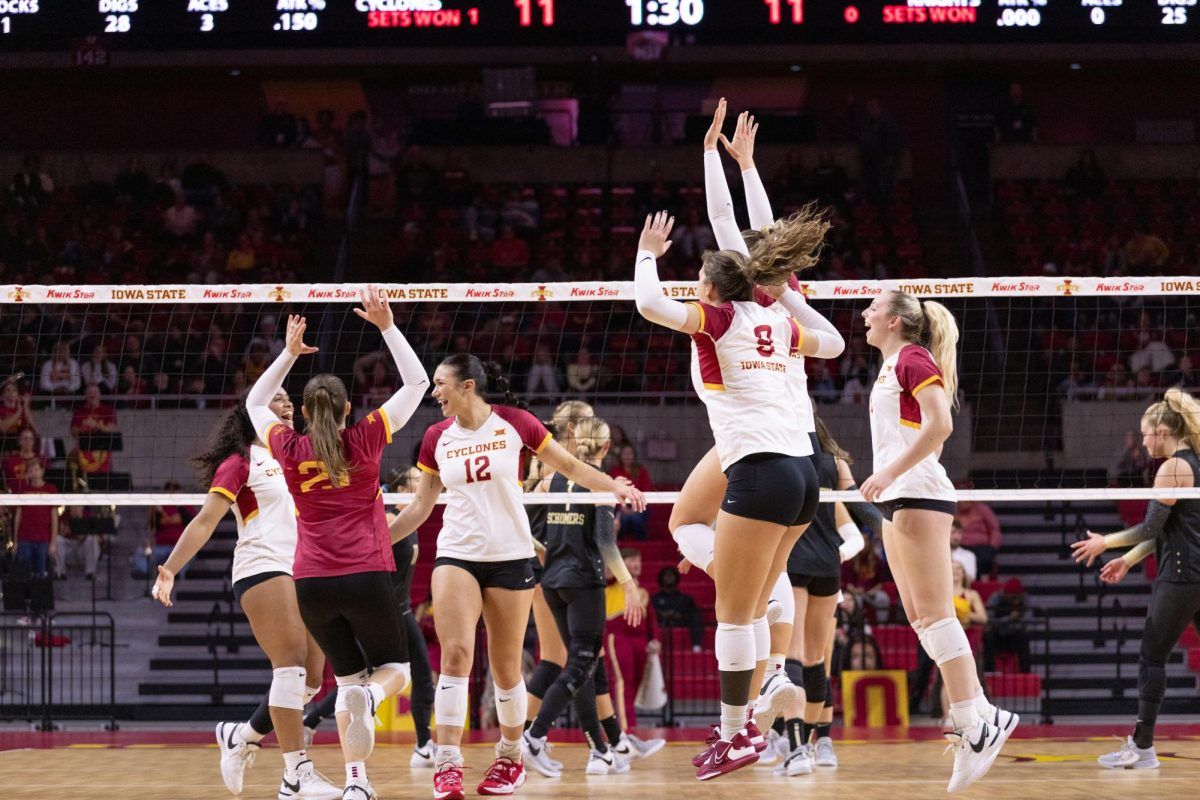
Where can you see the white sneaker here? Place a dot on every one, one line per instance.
(975, 750)
(631, 747)
(309, 735)
(608, 763)
(307, 784)
(824, 753)
(533, 753)
(1130, 756)
(237, 755)
(774, 611)
(558, 765)
(782, 748)
(423, 758)
(776, 695)
(771, 754)
(359, 790)
(360, 730)
(798, 762)
(1006, 722)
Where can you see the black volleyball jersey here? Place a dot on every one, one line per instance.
(572, 555)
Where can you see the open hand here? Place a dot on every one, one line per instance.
(875, 485)
(655, 234)
(1114, 571)
(633, 603)
(163, 585)
(375, 308)
(1089, 548)
(713, 135)
(294, 340)
(742, 146)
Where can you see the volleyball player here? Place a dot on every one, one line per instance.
(1171, 431)
(343, 551)
(242, 475)
(910, 412)
(484, 547)
(741, 374)
(580, 542)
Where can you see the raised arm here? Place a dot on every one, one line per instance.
(742, 150)
(648, 291)
(821, 338)
(716, 189)
(401, 405)
(271, 381)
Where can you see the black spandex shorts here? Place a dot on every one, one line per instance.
(890, 507)
(817, 587)
(354, 619)
(246, 584)
(772, 488)
(516, 574)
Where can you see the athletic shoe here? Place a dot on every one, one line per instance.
(771, 754)
(1130, 756)
(534, 754)
(423, 757)
(309, 735)
(975, 749)
(1006, 722)
(504, 776)
(308, 784)
(608, 763)
(360, 730)
(558, 765)
(447, 782)
(774, 611)
(825, 755)
(726, 756)
(798, 762)
(776, 695)
(631, 747)
(359, 790)
(714, 736)
(781, 747)
(755, 735)
(237, 755)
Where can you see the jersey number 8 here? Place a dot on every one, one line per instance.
(766, 348)
(483, 466)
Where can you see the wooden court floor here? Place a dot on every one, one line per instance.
(1028, 769)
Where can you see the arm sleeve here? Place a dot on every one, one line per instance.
(1138, 554)
(647, 290)
(1145, 531)
(720, 205)
(399, 407)
(830, 343)
(865, 514)
(606, 541)
(852, 541)
(756, 199)
(263, 390)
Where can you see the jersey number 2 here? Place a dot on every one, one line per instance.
(483, 466)
(306, 467)
(766, 348)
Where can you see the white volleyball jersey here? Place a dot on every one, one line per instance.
(265, 513)
(744, 357)
(481, 469)
(896, 424)
(798, 376)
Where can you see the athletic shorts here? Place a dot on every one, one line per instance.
(772, 488)
(246, 584)
(516, 574)
(817, 587)
(889, 507)
(354, 619)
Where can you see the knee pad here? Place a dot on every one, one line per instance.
(357, 679)
(696, 542)
(544, 675)
(403, 668)
(795, 672)
(582, 659)
(450, 701)
(815, 684)
(287, 688)
(762, 639)
(512, 705)
(310, 692)
(1152, 681)
(734, 646)
(945, 640)
(782, 593)
(600, 676)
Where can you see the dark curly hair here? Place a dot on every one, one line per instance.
(233, 434)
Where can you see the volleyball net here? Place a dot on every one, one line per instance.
(1054, 374)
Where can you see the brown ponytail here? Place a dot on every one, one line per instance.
(829, 444)
(786, 246)
(325, 409)
(1179, 412)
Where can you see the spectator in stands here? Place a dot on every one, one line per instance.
(509, 251)
(100, 370)
(242, 258)
(860, 377)
(181, 218)
(862, 653)
(1152, 353)
(694, 236)
(822, 385)
(75, 541)
(674, 608)
(1145, 252)
(960, 554)
(1014, 120)
(981, 532)
(132, 385)
(255, 362)
(627, 646)
(632, 524)
(521, 210)
(92, 417)
(864, 576)
(36, 527)
(1116, 385)
(60, 373)
(1145, 382)
(1184, 375)
(16, 465)
(543, 375)
(31, 186)
(268, 336)
(15, 413)
(207, 263)
(163, 530)
(1006, 631)
(1130, 464)
(1076, 383)
(583, 373)
(1085, 178)
(279, 128)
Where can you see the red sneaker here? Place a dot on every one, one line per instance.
(713, 737)
(447, 783)
(503, 777)
(726, 757)
(755, 736)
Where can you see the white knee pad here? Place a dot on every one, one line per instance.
(310, 692)
(512, 705)
(762, 639)
(344, 681)
(735, 648)
(782, 592)
(945, 640)
(403, 668)
(696, 543)
(450, 701)
(287, 688)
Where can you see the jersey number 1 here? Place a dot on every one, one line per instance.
(483, 466)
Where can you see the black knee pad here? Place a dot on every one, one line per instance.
(1152, 680)
(795, 672)
(828, 692)
(815, 683)
(544, 675)
(583, 655)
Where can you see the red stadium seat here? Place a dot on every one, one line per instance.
(1020, 684)
(986, 588)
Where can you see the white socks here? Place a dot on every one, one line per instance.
(733, 719)
(964, 714)
(356, 772)
(248, 735)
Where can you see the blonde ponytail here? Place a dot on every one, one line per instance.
(591, 438)
(325, 408)
(943, 344)
(1180, 413)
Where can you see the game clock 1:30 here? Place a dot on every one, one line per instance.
(665, 13)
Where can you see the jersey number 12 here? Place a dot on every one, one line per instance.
(483, 466)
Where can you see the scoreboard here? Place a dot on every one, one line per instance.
(191, 24)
